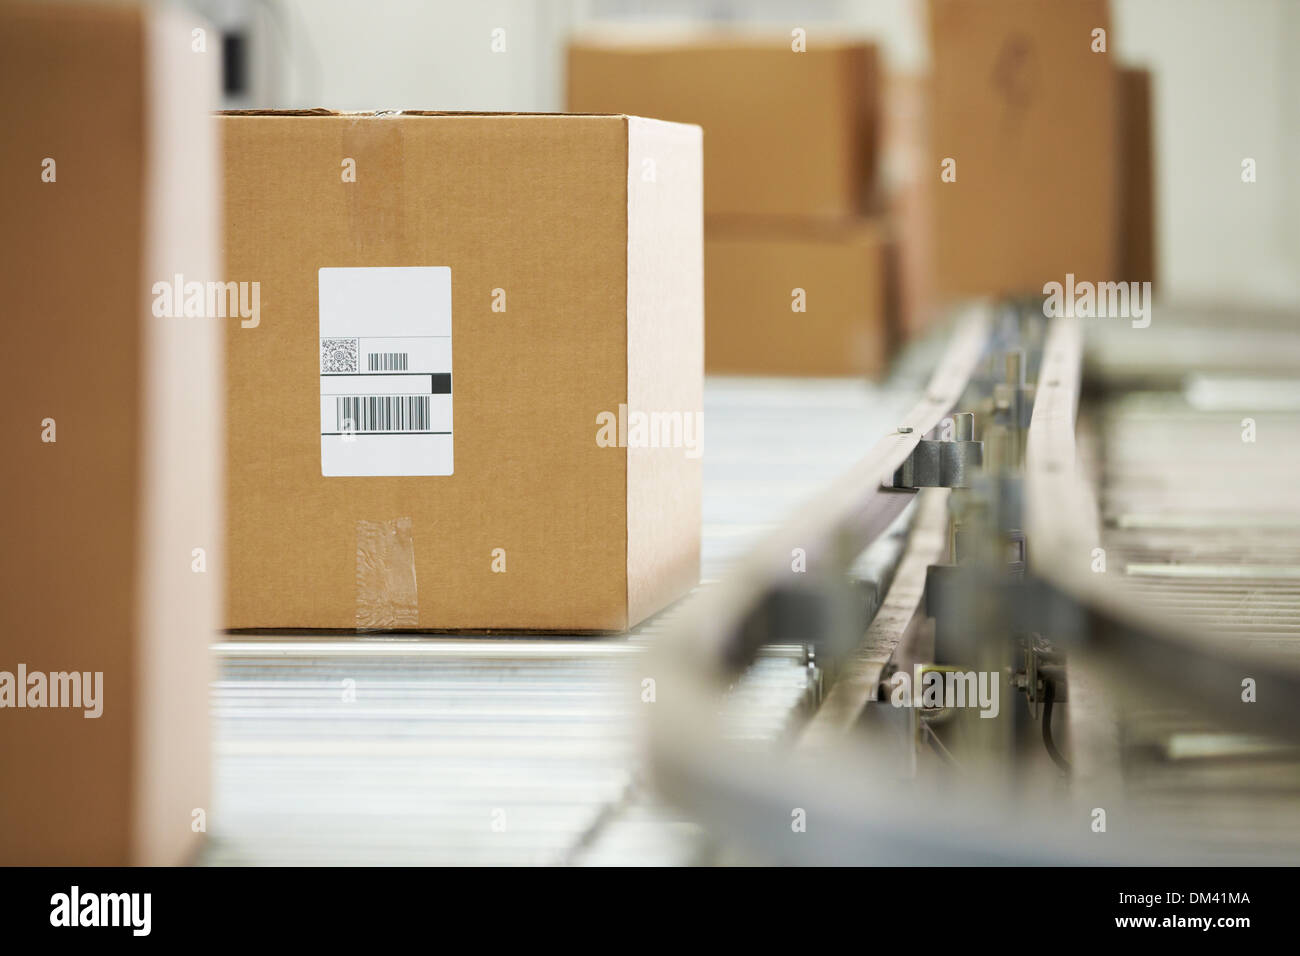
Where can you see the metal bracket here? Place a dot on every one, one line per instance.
(942, 463)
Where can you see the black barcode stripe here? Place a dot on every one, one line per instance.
(386, 361)
(383, 413)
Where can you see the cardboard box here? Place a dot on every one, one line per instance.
(1028, 112)
(786, 133)
(561, 259)
(109, 188)
(1137, 256)
(760, 277)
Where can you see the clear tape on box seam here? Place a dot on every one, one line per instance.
(386, 591)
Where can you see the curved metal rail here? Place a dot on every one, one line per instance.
(727, 627)
(1128, 641)
(855, 813)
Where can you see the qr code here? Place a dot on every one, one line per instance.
(340, 355)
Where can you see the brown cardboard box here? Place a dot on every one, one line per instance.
(103, 521)
(785, 133)
(758, 276)
(1029, 114)
(573, 251)
(1137, 257)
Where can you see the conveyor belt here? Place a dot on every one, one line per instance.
(1201, 525)
(490, 750)
(532, 750)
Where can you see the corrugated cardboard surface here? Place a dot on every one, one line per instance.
(88, 586)
(1028, 112)
(785, 133)
(536, 205)
(752, 271)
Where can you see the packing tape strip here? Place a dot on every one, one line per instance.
(386, 593)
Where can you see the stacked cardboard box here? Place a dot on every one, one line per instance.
(112, 423)
(796, 274)
(837, 274)
(545, 272)
(1024, 145)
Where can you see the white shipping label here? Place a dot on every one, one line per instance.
(385, 371)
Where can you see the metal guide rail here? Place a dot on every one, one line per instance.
(1047, 663)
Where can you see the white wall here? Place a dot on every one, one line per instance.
(1227, 86)
(408, 54)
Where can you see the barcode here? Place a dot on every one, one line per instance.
(386, 361)
(384, 413)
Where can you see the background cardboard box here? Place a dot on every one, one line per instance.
(591, 227)
(1137, 257)
(790, 145)
(101, 524)
(786, 133)
(1029, 113)
(753, 272)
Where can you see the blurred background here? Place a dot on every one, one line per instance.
(1225, 85)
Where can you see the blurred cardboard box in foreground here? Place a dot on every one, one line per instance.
(798, 301)
(546, 272)
(1024, 119)
(112, 421)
